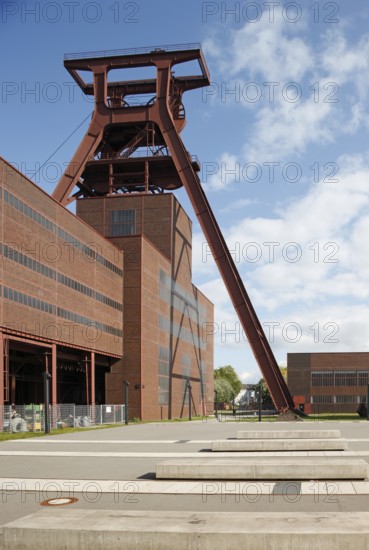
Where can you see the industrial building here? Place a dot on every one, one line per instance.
(103, 298)
(95, 302)
(328, 382)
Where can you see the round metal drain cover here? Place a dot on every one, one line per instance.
(63, 501)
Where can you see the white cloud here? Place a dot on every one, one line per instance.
(266, 49)
(321, 70)
(238, 205)
(328, 221)
(343, 60)
(327, 226)
(327, 287)
(218, 175)
(287, 129)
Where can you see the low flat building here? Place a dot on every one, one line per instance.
(328, 382)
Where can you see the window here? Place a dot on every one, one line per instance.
(344, 399)
(320, 399)
(123, 223)
(363, 378)
(346, 378)
(322, 378)
(163, 376)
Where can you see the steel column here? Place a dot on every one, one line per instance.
(54, 376)
(92, 377)
(2, 373)
(47, 377)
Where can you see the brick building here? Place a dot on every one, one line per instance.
(328, 382)
(99, 298)
(164, 313)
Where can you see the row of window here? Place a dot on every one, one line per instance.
(88, 251)
(180, 305)
(181, 333)
(41, 305)
(338, 399)
(82, 320)
(339, 378)
(83, 289)
(46, 271)
(164, 373)
(175, 288)
(28, 211)
(29, 301)
(12, 254)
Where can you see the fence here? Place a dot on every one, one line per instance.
(225, 412)
(31, 418)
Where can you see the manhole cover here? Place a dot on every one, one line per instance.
(59, 501)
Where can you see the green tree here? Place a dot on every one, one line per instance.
(266, 397)
(228, 373)
(283, 372)
(224, 391)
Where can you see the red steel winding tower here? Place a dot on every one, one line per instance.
(134, 146)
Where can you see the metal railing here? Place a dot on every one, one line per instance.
(31, 418)
(250, 415)
(149, 152)
(134, 51)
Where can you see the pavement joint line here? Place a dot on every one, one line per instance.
(109, 441)
(330, 488)
(44, 440)
(204, 454)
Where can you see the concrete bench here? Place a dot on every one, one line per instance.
(289, 434)
(161, 530)
(278, 468)
(279, 445)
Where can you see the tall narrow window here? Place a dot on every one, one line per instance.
(164, 360)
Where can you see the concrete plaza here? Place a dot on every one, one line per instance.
(114, 469)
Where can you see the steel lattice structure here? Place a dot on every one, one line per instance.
(133, 144)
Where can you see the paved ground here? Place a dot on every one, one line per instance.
(114, 469)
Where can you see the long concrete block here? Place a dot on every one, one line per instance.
(263, 468)
(116, 529)
(289, 434)
(279, 445)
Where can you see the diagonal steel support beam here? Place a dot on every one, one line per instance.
(227, 268)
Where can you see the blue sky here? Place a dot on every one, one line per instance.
(282, 134)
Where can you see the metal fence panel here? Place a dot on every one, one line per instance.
(31, 418)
